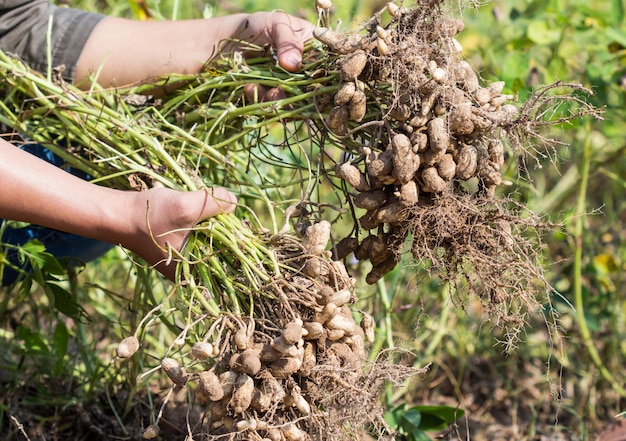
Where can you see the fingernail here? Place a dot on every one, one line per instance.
(296, 62)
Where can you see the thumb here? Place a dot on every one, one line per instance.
(289, 35)
(217, 200)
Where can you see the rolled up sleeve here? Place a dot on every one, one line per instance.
(24, 29)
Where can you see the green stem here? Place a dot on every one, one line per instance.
(442, 329)
(579, 230)
(209, 305)
(217, 232)
(386, 301)
(225, 279)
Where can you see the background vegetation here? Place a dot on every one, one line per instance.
(567, 386)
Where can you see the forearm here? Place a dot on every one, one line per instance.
(149, 223)
(37, 192)
(124, 51)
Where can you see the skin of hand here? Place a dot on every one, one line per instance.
(136, 220)
(164, 47)
(132, 219)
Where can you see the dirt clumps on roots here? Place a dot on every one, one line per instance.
(298, 370)
(434, 141)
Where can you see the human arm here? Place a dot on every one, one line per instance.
(125, 51)
(146, 222)
(36, 192)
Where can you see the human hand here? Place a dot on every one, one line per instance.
(283, 31)
(183, 46)
(170, 216)
(154, 223)
(287, 34)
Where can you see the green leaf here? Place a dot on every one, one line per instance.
(34, 344)
(24, 288)
(393, 417)
(33, 247)
(60, 343)
(65, 303)
(617, 11)
(540, 32)
(36, 252)
(419, 435)
(411, 420)
(438, 417)
(433, 422)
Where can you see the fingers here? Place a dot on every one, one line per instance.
(288, 34)
(217, 200)
(289, 54)
(256, 93)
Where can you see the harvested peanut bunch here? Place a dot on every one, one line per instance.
(429, 129)
(436, 126)
(287, 373)
(429, 142)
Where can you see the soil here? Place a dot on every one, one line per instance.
(493, 412)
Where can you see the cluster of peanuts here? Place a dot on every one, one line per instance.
(426, 125)
(256, 379)
(441, 127)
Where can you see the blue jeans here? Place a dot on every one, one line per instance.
(70, 248)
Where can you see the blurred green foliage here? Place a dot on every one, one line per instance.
(414, 421)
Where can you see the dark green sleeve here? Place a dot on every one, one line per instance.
(24, 28)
